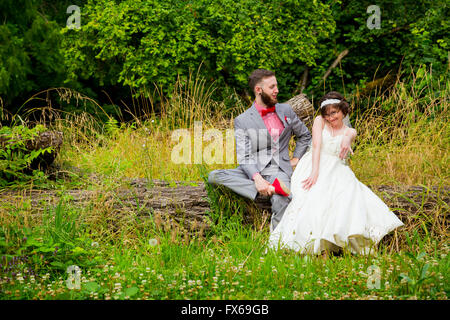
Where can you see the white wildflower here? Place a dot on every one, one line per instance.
(153, 242)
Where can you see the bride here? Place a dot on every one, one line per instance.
(330, 208)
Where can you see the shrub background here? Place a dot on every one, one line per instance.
(141, 45)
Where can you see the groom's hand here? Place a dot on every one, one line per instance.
(294, 162)
(345, 147)
(263, 186)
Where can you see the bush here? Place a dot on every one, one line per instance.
(15, 158)
(139, 43)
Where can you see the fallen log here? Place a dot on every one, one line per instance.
(44, 140)
(187, 204)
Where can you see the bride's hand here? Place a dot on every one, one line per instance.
(310, 181)
(345, 147)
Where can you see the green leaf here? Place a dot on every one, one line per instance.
(58, 264)
(78, 250)
(404, 276)
(424, 271)
(131, 291)
(46, 249)
(91, 286)
(421, 255)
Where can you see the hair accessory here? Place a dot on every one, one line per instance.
(329, 101)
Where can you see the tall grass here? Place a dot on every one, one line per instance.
(143, 147)
(403, 136)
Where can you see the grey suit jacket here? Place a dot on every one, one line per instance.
(255, 147)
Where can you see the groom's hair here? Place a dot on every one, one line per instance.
(343, 105)
(257, 76)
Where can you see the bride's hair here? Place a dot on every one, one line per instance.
(343, 105)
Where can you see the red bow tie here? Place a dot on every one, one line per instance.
(266, 111)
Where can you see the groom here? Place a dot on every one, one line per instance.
(262, 135)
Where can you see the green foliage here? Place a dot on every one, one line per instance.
(138, 43)
(15, 158)
(417, 274)
(412, 33)
(30, 57)
(112, 127)
(51, 247)
(142, 43)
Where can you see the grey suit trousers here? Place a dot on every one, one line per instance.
(238, 181)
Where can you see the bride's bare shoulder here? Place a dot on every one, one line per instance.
(319, 121)
(318, 118)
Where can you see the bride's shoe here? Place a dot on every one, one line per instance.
(281, 188)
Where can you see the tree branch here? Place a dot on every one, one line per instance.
(302, 84)
(334, 64)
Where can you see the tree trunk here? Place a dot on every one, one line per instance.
(187, 204)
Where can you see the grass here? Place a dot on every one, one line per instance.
(403, 140)
(408, 145)
(231, 264)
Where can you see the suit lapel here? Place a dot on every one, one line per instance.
(257, 119)
(280, 115)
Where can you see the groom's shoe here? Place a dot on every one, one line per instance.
(281, 188)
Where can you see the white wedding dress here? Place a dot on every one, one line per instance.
(337, 211)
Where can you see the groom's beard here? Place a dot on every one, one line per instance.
(268, 100)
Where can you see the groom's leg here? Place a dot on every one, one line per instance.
(279, 202)
(234, 179)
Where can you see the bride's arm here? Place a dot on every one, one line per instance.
(347, 140)
(316, 144)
